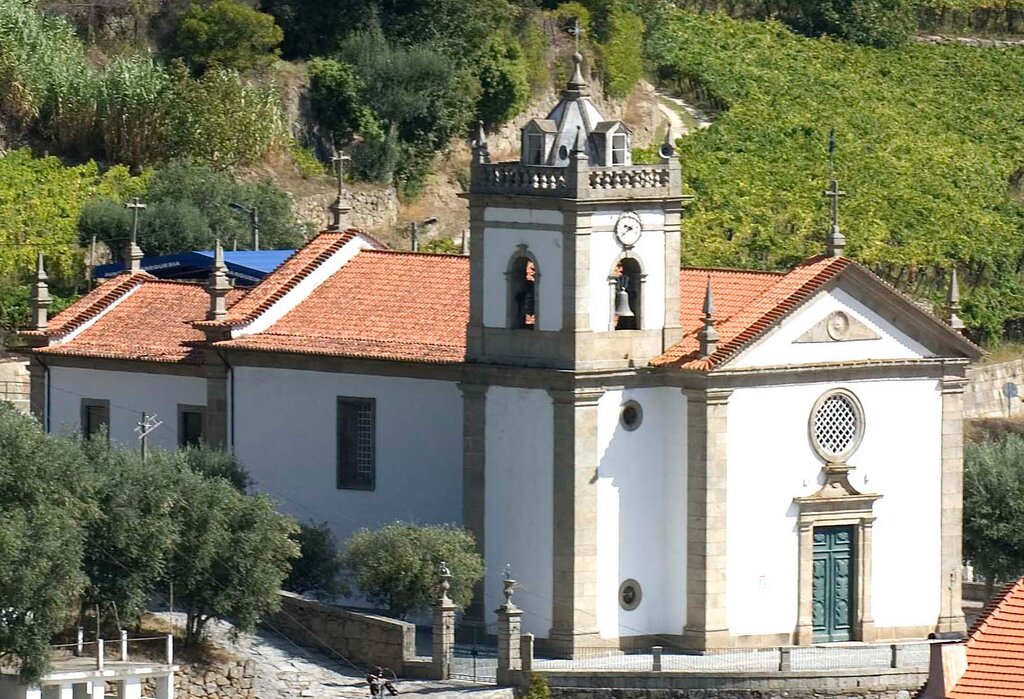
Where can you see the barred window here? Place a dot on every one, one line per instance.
(836, 425)
(357, 443)
(95, 417)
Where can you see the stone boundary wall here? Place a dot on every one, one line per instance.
(232, 679)
(367, 639)
(984, 397)
(877, 684)
(970, 41)
(14, 381)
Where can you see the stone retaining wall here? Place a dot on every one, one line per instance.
(984, 396)
(14, 381)
(231, 679)
(367, 639)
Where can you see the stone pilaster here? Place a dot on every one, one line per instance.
(951, 616)
(804, 633)
(574, 587)
(576, 272)
(216, 428)
(474, 331)
(37, 391)
(706, 625)
(474, 432)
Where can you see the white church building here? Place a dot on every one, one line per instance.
(715, 458)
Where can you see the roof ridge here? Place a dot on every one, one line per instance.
(105, 294)
(734, 270)
(417, 253)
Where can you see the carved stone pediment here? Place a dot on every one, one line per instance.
(838, 326)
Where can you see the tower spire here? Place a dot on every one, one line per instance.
(218, 286)
(478, 144)
(339, 208)
(134, 254)
(953, 303)
(577, 86)
(40, 300)
(708, 336)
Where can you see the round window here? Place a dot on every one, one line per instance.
(836, 425)
(631, 415)
(630, 594)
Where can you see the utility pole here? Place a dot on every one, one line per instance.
(147, 424)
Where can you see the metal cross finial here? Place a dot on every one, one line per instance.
(832, 152)
(833, 192)
(135, 205)
(576, 31)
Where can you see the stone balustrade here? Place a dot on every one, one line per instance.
(586, 182)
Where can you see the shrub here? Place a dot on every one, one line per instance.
(871, 22)
(621, 55)
(397, 566)
(994, 506)
(228, 34)
(317, 571)
(335, 96)
(135, 96)
(504, 89)
(210, 462)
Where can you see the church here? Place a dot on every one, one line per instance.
(706, 458)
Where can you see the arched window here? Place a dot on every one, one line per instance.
(523, 278)
(626, 285)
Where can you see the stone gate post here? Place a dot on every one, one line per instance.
(509, 626)
(444, 629)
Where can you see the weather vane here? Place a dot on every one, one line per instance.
(576, 31)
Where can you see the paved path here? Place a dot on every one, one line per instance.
(284, 670)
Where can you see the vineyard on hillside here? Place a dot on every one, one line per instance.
(929, 151)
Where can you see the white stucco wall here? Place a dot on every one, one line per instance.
(130, 394)
(771, 461)
(544, 245)
(778, 347)
(641, 506)
(286, 437)
(518, 512)
(650, 251)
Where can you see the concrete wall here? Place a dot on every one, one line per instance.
(544, 245)
(984, 395)
(641, 513)
(286, 437)
(779, 348)
(366, 639)
(518, 510)
(898, 458)
(650, 252)
(130, 394)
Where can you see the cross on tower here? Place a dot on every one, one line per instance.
(338, 160)
(576, 31)
(135, 205)
(833, 192)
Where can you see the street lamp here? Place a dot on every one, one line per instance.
(254, 221)
(414, 231)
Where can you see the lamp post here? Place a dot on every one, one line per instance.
(254, 221)
(414, 232)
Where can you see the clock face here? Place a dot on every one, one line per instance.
(628, 229)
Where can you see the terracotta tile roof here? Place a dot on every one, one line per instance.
(284, 278)
(90, 305)
(382, 305)
(746, 304)
(154, 324)
(995, 649)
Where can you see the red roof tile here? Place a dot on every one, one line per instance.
(995, 649)
(382, 305)
(154, 323)
(285, 278)
(746, 304)
(91, 305)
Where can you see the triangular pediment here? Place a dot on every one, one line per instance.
(856, 317)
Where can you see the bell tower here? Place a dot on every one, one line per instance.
(575, 250)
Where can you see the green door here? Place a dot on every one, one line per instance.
(833, 584)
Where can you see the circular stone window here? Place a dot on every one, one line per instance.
(836, 425)
(630, 594)
(631, 415)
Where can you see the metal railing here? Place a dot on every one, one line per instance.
(126, 649)
(910, 655)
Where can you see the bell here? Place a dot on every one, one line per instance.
(622, 308)
(529, 300)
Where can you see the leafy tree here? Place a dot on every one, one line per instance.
(127, 545)
(871, 22)
(228, 34)
(316, 27)
(397, 566)
(335, 95)
(504, 88)
(215, 463)
(232, 554)
(188, 207)
(318, 569)
(994, 506)
(43, 504)
(621, 56)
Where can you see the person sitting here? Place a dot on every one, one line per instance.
(379, 683)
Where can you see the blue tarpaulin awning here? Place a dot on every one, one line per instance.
(246, 267)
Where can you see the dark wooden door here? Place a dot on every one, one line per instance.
(833, 583)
